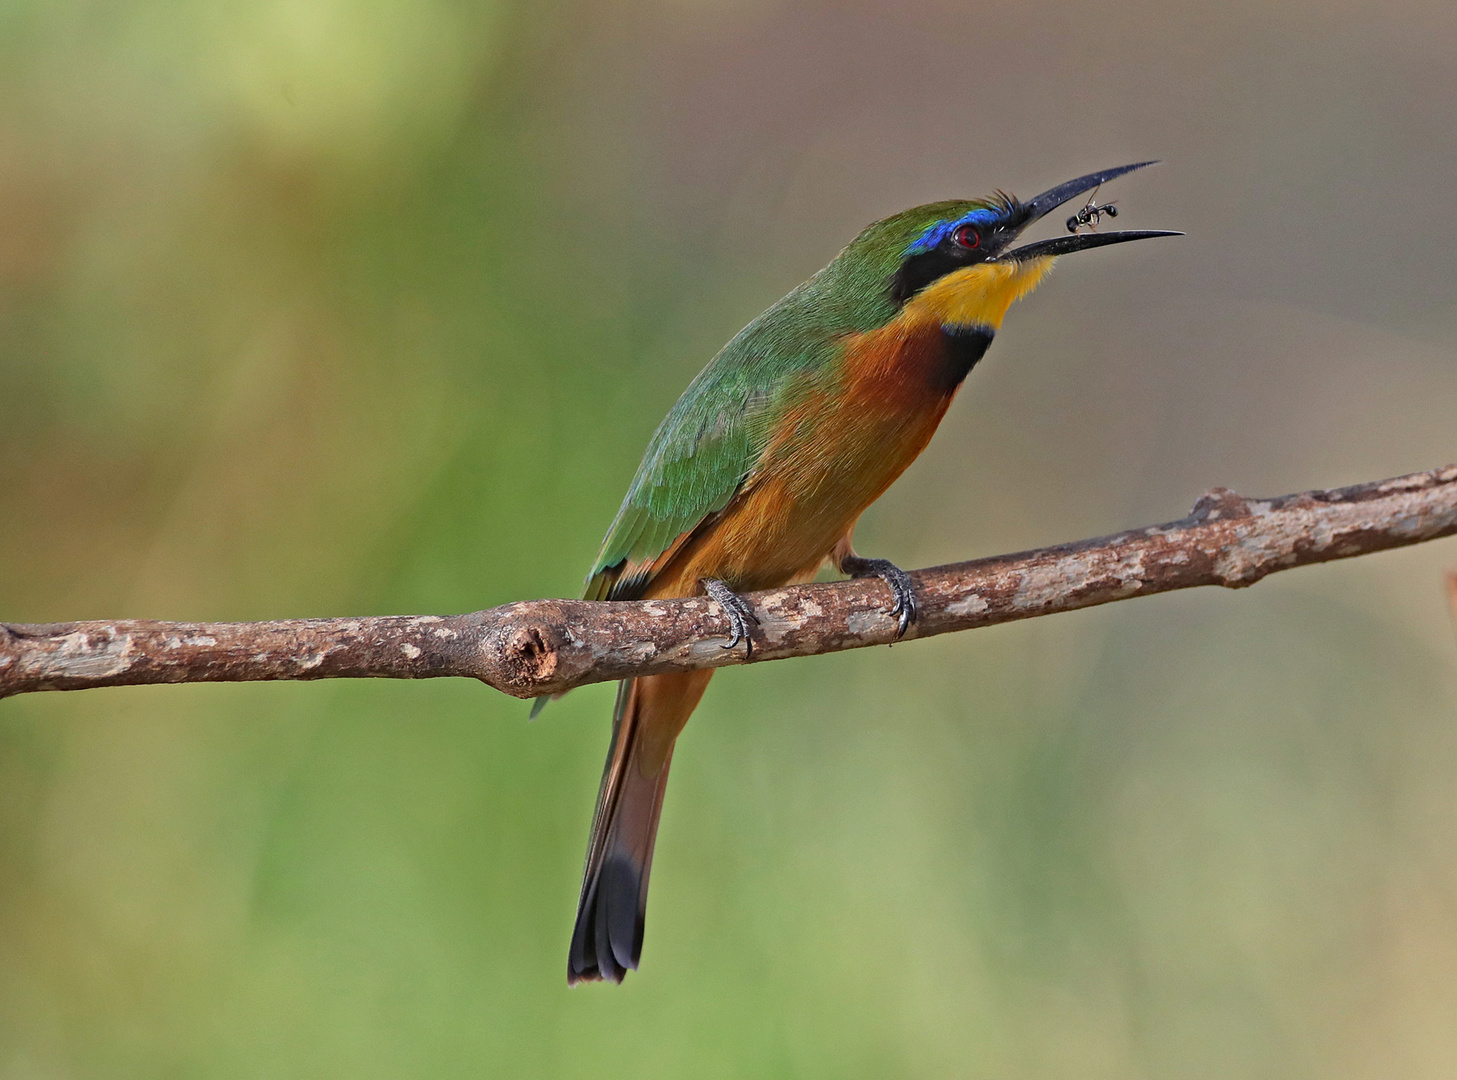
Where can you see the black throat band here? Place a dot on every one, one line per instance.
(964, 346)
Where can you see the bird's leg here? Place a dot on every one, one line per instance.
(899, 582)
(738, 612)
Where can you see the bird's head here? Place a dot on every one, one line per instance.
(956, 262)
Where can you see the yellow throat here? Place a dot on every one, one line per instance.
(977, 295)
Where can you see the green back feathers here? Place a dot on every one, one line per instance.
(711, 440)
(708, 444)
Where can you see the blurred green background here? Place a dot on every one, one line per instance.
(320, 307)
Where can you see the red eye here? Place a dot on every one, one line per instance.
(966, 236)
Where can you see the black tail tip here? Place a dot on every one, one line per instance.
(607, 940)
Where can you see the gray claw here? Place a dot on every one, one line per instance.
(738, 612)
(899, 582)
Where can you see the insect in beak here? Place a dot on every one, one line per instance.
(1091, 212)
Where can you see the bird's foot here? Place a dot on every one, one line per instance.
(738, 612)
(904, 608)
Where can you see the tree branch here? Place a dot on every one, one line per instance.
(547, 646)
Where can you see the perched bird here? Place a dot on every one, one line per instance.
(757, 475)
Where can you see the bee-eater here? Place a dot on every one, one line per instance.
(757, 475)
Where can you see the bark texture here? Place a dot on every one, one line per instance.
(548, 646)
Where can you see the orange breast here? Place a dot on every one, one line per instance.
(833, 455)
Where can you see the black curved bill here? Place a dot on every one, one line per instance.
(1050, 200)
(1061, 245)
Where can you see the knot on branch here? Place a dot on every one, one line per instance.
(529, 654)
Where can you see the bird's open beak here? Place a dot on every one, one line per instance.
(1050, 200)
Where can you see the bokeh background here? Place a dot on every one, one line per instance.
(348, 306)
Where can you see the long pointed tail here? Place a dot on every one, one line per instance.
(649, 714)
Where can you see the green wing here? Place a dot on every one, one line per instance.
(706, 447)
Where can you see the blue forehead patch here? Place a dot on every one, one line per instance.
(938, 232)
